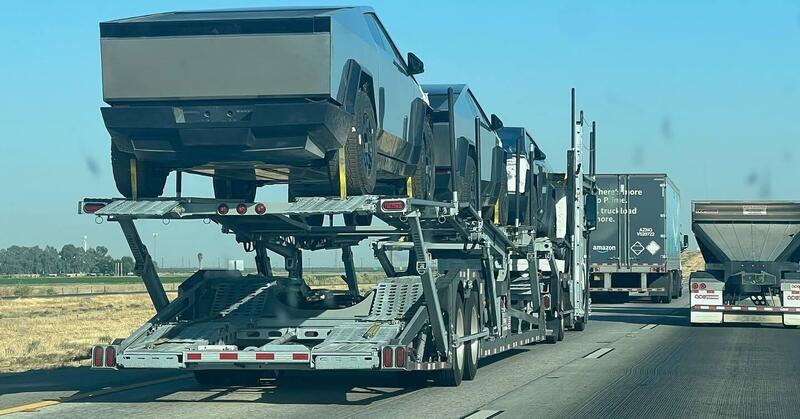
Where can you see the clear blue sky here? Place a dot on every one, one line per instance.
(705, 91)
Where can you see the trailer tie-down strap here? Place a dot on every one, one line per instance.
(235, 306)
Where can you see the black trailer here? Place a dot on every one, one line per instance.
(636, 249)
(752, 255)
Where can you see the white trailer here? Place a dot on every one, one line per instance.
(459, 298)
(752, 274)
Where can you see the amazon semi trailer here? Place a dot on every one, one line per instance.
(456, 298)
(636, 249)
(752, 274)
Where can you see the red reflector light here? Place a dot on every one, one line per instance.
(241, 209)
(111, 357)
(695, 286)
(265, 356)
(222, 209)
(546, 301)
(300, 356)
(396, 205)
(194, 356)
(97, 356)
(228, 356)
(261, 209)
(387, 357)
(702, 285)
(400, 357)
(92, 207)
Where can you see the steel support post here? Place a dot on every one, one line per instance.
(429, 289)
(144, 265)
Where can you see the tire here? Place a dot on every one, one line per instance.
(466, 184)
(667, 299)
(236, 189)
(557, 325)
(150, 179)
(472, 325)
(452, 377)
(425, 173)
(580, 326)
(361, 148)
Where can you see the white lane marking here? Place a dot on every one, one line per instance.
(598, 353)
(484, 414)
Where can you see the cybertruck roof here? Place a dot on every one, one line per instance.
(227, 22)
(235, 14)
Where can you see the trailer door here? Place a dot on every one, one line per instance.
(645, 212)
(605, 240)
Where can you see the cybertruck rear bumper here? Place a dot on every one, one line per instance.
(268, 133)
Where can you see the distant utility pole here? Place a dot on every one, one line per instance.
(155, 246)
(85, 243)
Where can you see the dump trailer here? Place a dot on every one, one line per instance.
(459, 297)
(752, 274)
(636, 249)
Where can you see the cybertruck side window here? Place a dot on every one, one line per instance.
(388, 46)
(375, 31)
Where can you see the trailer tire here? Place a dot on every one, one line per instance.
(361, 148)
(472, 325)
(557, 326)
(452, 376)
(580, 326)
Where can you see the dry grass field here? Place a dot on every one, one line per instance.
(692, 261)
(38, 333)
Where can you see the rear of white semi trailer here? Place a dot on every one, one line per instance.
(752, 273)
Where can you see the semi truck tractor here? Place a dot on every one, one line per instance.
(752, 274)
(636, 249)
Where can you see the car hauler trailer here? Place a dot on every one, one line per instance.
(636, 249)
(752, 274)
(458, 299)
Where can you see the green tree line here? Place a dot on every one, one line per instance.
(16, 260)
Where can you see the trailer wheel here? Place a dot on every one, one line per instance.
(361, 148)
(150, 178)
(557, 326)
(472, 326)
(580, 326)
(452, 376)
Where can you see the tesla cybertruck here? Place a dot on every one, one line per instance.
(264, 96)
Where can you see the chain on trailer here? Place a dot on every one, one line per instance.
(470, 288)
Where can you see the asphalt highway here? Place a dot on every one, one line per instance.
(635, 360)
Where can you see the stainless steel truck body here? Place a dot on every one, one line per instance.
(262, 96)
(752, 255)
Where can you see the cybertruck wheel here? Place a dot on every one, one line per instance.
(465, 184)
(424, 182)
(150, 179)
(361, 148)
(239, 190)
